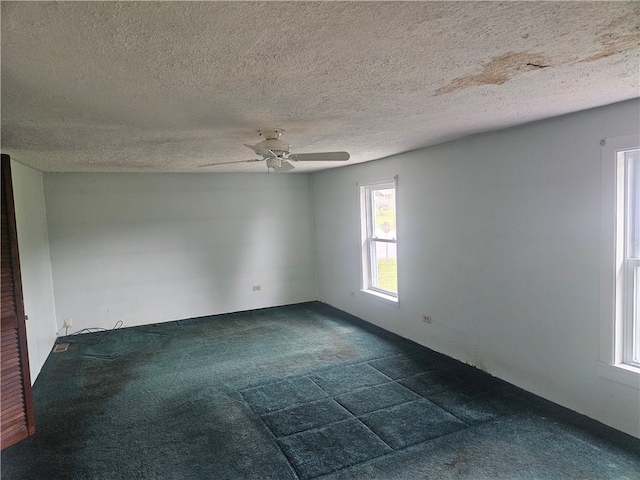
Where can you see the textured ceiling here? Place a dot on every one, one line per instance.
(169, 86)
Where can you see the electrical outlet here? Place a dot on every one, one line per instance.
(257, 288)
(426, 318)
(68, 323)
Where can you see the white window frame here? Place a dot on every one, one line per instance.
(618, 279)
(368, 239)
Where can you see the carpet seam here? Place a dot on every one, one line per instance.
(274, 439)
(359, 419)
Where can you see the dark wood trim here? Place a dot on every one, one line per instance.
(19, 433)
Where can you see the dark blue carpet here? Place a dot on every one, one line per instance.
(303, 391)
(369, 399)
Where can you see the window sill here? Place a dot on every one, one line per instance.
(388, 299)
(621, 373)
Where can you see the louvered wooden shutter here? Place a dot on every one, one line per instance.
(16, 407)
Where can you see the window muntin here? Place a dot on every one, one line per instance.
(379, 238)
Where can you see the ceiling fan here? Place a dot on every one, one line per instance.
(277, 153)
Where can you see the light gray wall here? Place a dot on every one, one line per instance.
(35, 264)
(146, 248)
(499, 242)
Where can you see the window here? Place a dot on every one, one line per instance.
(620, 275)
(630, 221)
(379, 239)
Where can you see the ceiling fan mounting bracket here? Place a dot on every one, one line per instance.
(272, 134)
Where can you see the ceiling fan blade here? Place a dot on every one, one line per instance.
(229, 163)
(284, 167)
(320, 157)
(250, 146)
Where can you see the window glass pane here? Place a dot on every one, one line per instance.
(384, 263)
(384, 212)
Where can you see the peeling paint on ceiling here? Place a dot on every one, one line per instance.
(169, 86)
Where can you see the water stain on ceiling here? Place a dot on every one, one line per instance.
(497, 71)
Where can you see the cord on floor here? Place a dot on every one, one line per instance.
(104, 333)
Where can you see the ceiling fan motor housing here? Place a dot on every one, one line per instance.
(279, 147)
